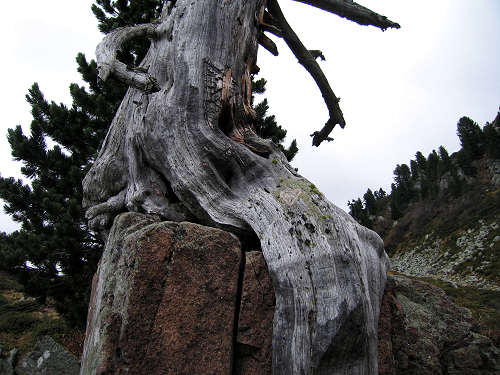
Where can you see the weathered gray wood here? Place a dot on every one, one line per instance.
(108, 64)
(353, 11)
(188, 151)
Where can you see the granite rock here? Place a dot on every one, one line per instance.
(421, 331)
(163, 300)
(48, 358)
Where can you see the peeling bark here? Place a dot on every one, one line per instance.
(187, 151)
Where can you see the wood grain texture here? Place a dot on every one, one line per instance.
(188, 151)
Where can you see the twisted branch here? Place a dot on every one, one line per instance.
(307, 60)
(108, 64)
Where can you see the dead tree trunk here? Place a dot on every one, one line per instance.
(181, 146)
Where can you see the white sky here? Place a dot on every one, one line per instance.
(402, 90)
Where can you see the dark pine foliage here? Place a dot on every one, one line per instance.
(54, 254)
(437, 175)
(266, 126)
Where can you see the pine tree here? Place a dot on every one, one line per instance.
(472, 141)
(359, 212)
(432, 173)
(396, 203)
(491, 133)
(414, 170)
(422, 177)
(380, 194)
(445, 161)
(370, 202)
(266, 126)
(54, 254)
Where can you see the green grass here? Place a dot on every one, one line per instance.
(23, 321)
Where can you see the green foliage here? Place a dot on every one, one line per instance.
(370, 202)
(422, 179)
(15, 322)
(471, 138)
(473, 144)
(492, 138)
(358, 212)
(266, 126)
(54, 254)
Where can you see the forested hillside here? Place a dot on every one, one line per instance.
(456, 190)
(441, 220)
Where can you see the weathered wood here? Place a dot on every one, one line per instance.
(108, 64)
(353, 11)
(189, 151)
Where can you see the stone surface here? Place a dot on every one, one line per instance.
(48, 358)
(189, 151)
(255, 325)
(421, 331)
(163, 300)
(436, 257)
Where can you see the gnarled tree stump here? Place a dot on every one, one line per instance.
(182, 146)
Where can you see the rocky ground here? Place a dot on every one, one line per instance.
(422, 331)
(467, 257)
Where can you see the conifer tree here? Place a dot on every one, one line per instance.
(473, 144)
(380, 194)
(491, 133)
(54, 254)
(396, 203)
(422, 177)
(445, 161)
(359, 212)
(266, 126)
(432, 173)
(370, 202)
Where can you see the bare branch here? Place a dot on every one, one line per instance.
(107, 62)
(308, 61)
(353, 11)
(317, 53)
(268, 44)
(266, 23)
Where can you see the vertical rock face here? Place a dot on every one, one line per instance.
(255, 322)
(179, 298)
(163, 300)
(421, 331)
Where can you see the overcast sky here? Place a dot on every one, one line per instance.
(401, 90)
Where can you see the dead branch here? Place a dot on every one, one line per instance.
(353, 11)
(108, 64)
(309, 63)
(267, 43)
(317, 53)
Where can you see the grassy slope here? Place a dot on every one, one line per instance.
(23, 320)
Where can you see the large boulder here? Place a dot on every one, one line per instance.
(180, 298)
(48, 358)
(421, 331)
(164, 300)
